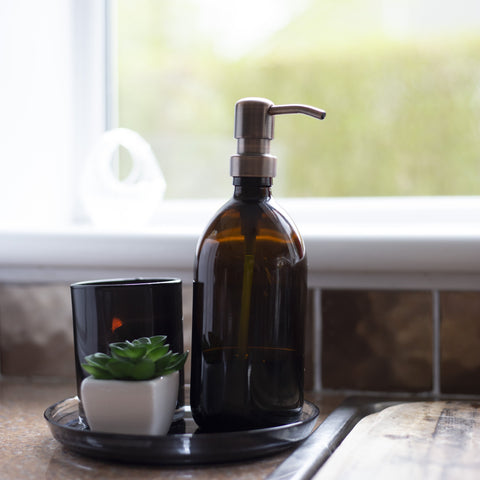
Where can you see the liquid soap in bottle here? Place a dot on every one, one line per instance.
(250, 289)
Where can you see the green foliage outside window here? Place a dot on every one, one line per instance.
(403, 112)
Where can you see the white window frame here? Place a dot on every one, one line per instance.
(406, 243)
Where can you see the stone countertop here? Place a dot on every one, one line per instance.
(28, 450)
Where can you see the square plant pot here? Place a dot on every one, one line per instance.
(132, 407)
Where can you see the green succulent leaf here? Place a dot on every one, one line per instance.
(143, 370)
(141, 359)
(97, 359)
(177, 361)
(120, 369)
(158, 340)
(122, 345)
(130, 351)
(157, 352)
(162, 362)
(170, 363)
(100, 373)
(142, 341)
(117, 349)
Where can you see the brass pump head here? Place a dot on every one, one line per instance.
(254, 122)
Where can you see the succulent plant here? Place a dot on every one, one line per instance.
(141, 359)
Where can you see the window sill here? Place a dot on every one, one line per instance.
(351, 243)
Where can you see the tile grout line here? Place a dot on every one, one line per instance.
(317, 342)
(436, 342)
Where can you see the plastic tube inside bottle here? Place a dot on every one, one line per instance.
(247, 283)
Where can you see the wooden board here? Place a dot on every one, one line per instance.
(421, 440)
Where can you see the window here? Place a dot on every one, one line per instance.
(399, 80)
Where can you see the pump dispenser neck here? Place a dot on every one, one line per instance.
(252, 188)
(254, 127)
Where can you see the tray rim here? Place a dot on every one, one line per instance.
(98, 444)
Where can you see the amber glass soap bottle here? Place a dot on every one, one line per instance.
(250, 288)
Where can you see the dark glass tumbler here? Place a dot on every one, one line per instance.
(107, 311)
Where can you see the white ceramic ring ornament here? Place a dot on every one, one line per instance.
(109, 201)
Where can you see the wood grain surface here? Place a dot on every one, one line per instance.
(421, 440)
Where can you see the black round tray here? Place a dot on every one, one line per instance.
(183, 445)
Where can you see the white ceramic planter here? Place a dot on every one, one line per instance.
(132, 407)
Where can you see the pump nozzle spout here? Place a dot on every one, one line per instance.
(254, 125)
(297, 108)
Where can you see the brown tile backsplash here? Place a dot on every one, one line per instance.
(377, 340)
(460, 342)
(36, 335)
(380, 340)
